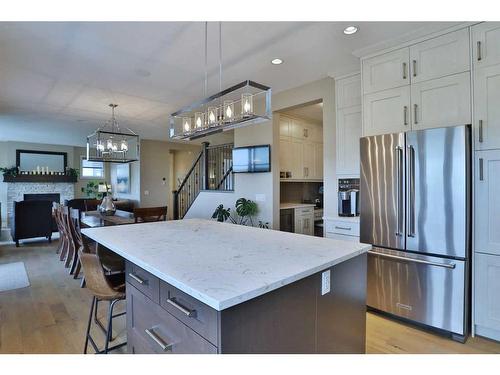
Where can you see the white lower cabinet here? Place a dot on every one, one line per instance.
(304, 220)
(487, 295)
(487, 107)
(441, 102)
(342, 237)
(487, 202)
(343, 226)
(387, 111)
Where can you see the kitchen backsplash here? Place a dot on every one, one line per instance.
(300, 191)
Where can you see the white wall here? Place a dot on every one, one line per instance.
(207, 201)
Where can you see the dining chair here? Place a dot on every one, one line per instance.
(92, 204)
(56, 213)
(148, 214)
(103, 288)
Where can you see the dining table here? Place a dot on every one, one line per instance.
(94, 219)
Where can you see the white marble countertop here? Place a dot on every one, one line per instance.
(223, 264)
(284, 206)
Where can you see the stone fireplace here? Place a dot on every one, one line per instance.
(17, 191)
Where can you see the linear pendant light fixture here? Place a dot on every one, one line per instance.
(111, 144)
(243, 104)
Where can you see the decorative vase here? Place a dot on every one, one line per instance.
(107, 207)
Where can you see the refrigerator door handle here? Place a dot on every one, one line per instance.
(411, 191)
(399, 189)
(413, 260)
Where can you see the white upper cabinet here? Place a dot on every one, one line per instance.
(486, 44)
(386, 111)
(487, 107)
(348, 134)
(386, 71)
(487, 202)
(285, 127)
(441, 102)
(348, 91)
(441, 56)
(318, 160)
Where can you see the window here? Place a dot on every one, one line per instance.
(92, 169)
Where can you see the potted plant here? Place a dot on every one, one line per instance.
(12, 171)
(246, 210)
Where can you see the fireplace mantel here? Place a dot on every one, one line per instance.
(39, 178)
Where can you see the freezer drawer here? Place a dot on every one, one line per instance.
(428, 290)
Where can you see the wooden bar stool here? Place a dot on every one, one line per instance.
(103, 288)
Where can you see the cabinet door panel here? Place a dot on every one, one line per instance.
(348, 134)
(386, 71)
(487, 202)
(486, 286)
(442, 56)
(284, 127)
(285, 156)
(297, 129)
(387, 111)
(318, 160)
(441, 102)
(309, 154)
(486, 44)
(297, 165)
(487, 107)
(348, 91)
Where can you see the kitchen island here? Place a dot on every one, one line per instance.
(199, 286)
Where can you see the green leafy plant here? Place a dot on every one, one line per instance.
(72, 172)
(12, 171)
(91, 190)
(246, 210)
(221, 213)
(263, 225)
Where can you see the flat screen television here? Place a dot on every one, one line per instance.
(252, 159)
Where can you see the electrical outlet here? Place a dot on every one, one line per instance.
(146, 192)
(325, 282)
(260, 197)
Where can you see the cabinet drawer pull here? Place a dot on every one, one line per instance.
(161, 343)
(405, 115)
(481, 170)
(480, 131)
(415, 110)
(138, 279)
(414, 68)
(479, 57)
(404, 71)
(184, 310)
(342, 228)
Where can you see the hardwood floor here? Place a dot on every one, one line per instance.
(50, 316)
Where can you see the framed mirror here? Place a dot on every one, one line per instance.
(29, 160)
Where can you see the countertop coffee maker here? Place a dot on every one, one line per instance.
(349, 197)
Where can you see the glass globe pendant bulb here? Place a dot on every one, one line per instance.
(109, 145)
(198, 119)
(114, 147)
(124, 145)
(229, 113)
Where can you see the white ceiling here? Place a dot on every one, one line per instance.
(57, 79)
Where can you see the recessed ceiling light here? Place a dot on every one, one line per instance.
(276, 61)
(350, 30)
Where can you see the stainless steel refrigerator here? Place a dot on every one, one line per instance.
(415, 201)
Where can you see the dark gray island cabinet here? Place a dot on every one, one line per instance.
(249, 291)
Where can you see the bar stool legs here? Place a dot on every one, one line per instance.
(107, 331)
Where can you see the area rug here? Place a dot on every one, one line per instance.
(13, 276)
